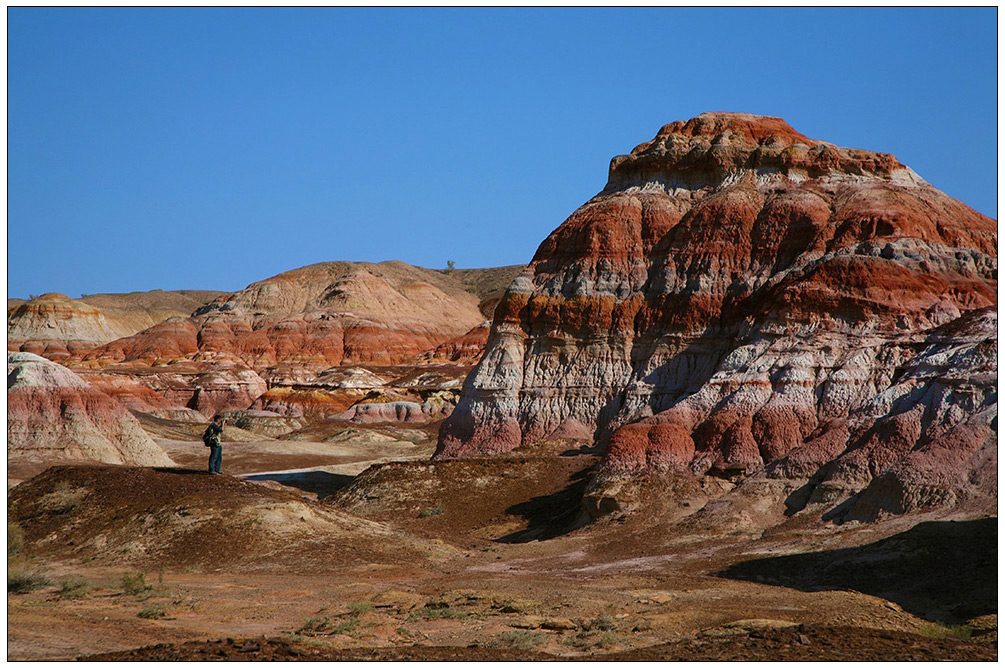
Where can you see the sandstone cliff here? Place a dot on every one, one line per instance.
(54, 416)
(740, 296)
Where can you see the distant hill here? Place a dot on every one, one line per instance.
(54, 325)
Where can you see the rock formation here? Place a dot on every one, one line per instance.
(58, 327)
(740, 297)
(290, 328)
(316, 317)
(467, 348)
(294, 343)
(54, 416)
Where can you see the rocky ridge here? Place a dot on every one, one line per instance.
(742, 301)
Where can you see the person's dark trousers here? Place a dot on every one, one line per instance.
(215, 458)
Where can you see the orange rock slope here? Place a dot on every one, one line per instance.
(741, 297)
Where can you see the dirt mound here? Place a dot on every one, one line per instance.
(158, 305)
(340, 431)
(938, 570)
(816, 643)
(181, 518)
(795, 643)
(489, 284)
(269, 649)
(507, 498)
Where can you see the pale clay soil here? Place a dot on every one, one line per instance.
(559, 596)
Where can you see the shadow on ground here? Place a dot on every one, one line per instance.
(176, 470)
(321, 483)
(940, 571)
(550, 515)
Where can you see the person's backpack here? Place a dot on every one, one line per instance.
(209, 437)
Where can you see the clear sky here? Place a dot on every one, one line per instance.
(206, 148)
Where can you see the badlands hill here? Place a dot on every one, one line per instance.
(55, 326)
(741, 300)
(172, 354)
(315, 317)
(55, 417)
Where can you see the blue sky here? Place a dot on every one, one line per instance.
(209, 148)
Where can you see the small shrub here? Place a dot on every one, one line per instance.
(15, 539)
(134, 583)
(346, 627)
(939, 630)
(74, 587)
(523, 640)
(432, 611)
(64, 499)
(360, 607)
(323, 626)
(301, 640)
(314, 626)
(155, 611)
(430, 512)
(587, 639)
(607, 640)
(601, 623)
(22, 582)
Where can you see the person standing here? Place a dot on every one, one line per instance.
(211, 437)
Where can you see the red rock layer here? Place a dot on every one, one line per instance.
(736, 292)
(465, 349)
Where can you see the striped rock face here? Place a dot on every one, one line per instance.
(740, 297)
